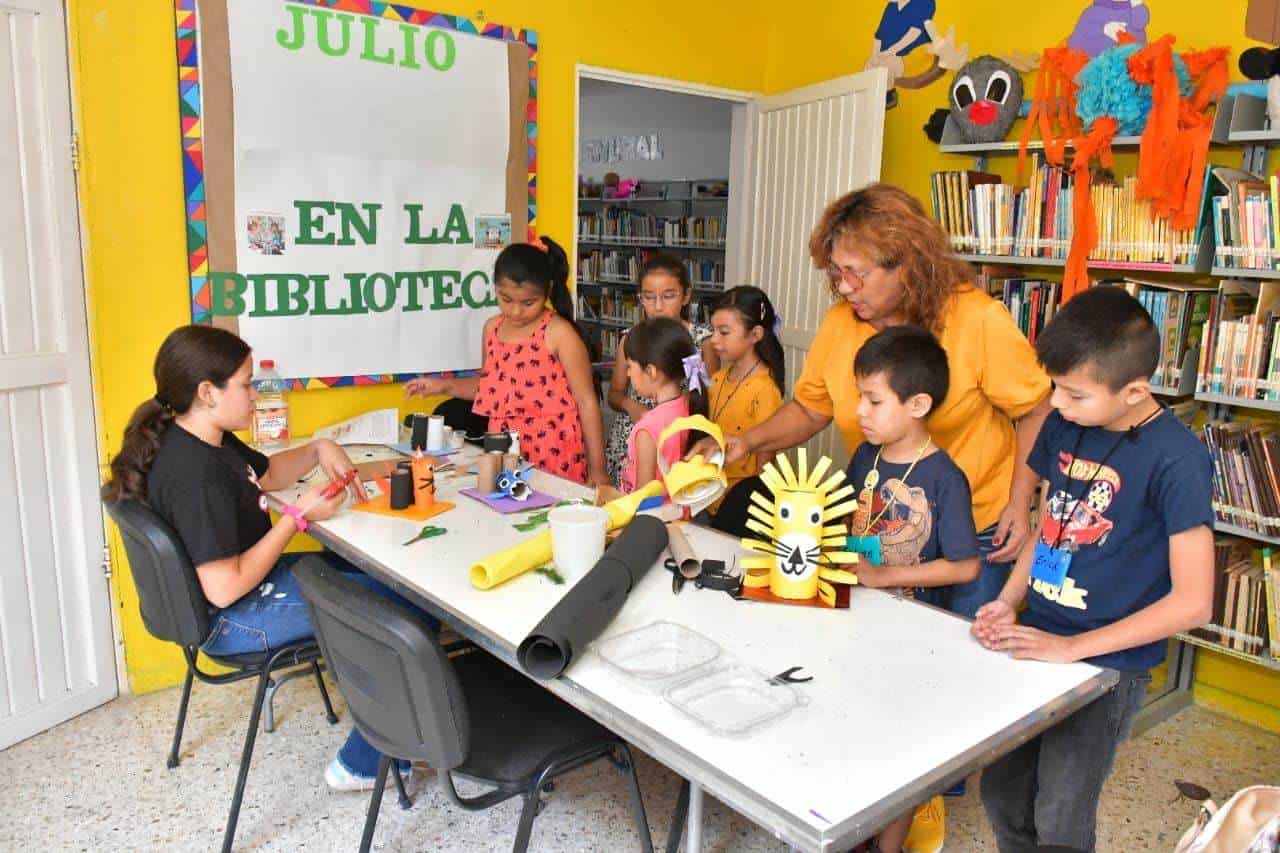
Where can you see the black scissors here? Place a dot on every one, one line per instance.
(677, 580)
(788, 676)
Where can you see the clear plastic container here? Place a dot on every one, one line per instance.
(658, 651)
(732, 699)
(270, 428)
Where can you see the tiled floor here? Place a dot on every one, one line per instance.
(99, 783)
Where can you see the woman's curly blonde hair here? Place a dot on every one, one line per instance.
(889, 227)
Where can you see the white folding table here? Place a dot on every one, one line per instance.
(903, 703)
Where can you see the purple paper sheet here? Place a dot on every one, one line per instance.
(536, 500)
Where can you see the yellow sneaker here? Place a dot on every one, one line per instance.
(928, 828)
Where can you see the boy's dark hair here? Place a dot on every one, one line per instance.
(755, 309)
(665, 344)
(1108, 330)
(911, 359)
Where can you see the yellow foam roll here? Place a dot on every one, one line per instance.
(533, 552)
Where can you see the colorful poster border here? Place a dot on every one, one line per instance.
(189, 108)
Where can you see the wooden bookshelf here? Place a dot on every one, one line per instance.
(1239, 402)
(1236, 272)
(1245, 533)
(1240, 121)
(1263, 660)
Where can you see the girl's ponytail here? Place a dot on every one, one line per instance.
(189, 356)
(141, 442)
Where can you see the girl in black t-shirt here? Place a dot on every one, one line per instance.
(181, 456)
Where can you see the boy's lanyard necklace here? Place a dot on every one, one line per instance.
(873, 478)
(717, 409)
(1131, 434)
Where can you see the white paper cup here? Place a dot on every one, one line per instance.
(435, 432)
(577, 537)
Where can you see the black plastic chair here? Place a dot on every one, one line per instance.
(175, 610)
(469, 714)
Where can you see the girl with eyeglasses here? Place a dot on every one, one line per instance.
(665, 291)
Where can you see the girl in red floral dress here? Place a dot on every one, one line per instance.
(537, 370)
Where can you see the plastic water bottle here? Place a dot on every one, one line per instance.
(271, 409)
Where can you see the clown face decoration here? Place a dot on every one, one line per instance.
(985, 97)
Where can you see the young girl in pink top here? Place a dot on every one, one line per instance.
(537, 372)
(661, 361)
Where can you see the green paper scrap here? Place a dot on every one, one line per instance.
(550, 572)
(537, 519)
(427, 532)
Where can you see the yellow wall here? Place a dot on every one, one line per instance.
(125, 81)
(803, 50)
(131, 191)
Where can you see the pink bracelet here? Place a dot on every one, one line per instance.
(297, 516)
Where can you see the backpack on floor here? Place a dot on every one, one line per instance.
(1249, 822)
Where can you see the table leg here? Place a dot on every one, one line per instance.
(695, 818)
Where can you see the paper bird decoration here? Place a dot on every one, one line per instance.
(513, 484)
(802, 547)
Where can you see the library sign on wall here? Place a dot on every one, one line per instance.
(348, 174)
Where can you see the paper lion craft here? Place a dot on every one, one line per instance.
(801, 547)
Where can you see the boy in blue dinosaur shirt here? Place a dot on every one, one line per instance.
(1123, 559)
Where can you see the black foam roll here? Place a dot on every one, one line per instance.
(401, 489)
(591, 604)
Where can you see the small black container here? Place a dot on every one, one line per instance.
(497, 442)
(401, 489)
(418, 440)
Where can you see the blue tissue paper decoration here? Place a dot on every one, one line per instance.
(1106, 89)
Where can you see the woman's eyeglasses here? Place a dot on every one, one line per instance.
(848, 274)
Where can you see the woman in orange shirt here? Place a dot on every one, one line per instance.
(890, 264)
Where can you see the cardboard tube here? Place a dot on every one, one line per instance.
(424, 480)
(682, 552)
(488, 467)
(533, 552)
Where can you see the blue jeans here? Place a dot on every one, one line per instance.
(1046, 791)
(274, 615)
(966, 598)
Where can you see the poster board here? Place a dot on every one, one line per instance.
(351, 169)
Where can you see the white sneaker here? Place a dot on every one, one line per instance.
(339, 778)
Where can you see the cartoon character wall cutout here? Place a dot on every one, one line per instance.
(906, 25)
(1099, 26)
(802, 547)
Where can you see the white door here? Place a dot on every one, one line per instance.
(56, 650)
(809, 146)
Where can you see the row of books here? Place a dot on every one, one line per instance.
(1240, 355)
(1031, 301)
(1245, 210)
(1246, 488)
(619, 223)
(1180, 313)
(615, 265)
(705, 271)
(1245, 604)
(619, 266)
(694, 231)
(983, 215)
